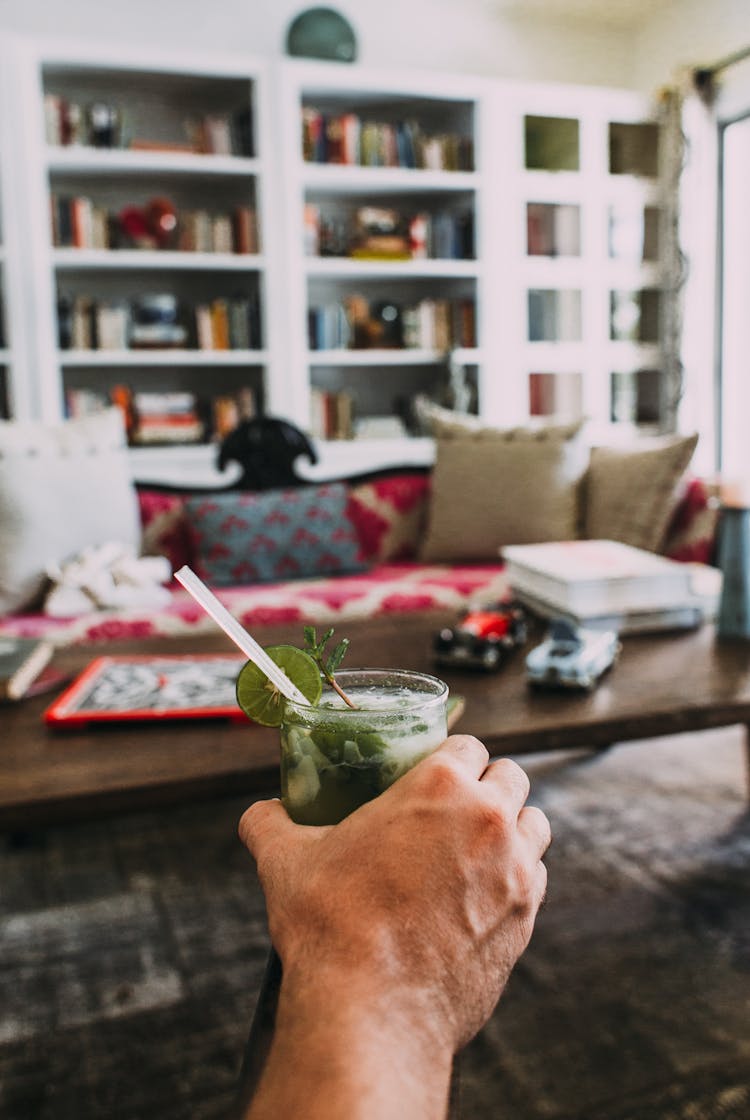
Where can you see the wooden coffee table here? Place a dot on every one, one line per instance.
(661, 685)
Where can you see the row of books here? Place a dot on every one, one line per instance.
(105, 124)
(381, 233)
(553, 229)
(355, 324)
(331, 414)
(78, 222)
(554, 315)
(221, 324)
(347, 138)
(153, 417)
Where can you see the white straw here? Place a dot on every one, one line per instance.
(218, 612)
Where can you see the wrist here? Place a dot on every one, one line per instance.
(374, 1049)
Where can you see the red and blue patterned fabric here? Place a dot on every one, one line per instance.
(245, 538)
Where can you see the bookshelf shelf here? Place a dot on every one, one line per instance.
(155, 259)
(96, 161)
(367, 358)
(346, 269)
(167, 357)
(334, 178)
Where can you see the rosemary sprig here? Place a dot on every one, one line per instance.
(328, 663)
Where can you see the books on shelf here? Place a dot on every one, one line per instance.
(387, 233)
(168, 417)
(21, 662)
(79, 222)
(597, 577)
(223, 324)
(431, 324)
(331, 414)
(348, 138)
(99, 124)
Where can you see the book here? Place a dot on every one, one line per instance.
(21, 662)
(596, 577)
(686, 617)
(150, 687)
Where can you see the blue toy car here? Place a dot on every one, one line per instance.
(572, 657)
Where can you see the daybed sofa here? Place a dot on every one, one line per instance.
(411, 539)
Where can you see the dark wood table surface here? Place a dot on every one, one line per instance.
(662, 684)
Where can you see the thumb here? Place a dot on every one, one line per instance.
(263, 826)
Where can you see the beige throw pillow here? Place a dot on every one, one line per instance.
(489, 493)
(63, 488)
(630, 493)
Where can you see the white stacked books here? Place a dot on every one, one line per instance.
(608, 585)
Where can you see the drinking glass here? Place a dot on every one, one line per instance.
(334, 758)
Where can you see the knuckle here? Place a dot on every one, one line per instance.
(252, 821)
(443, 774)
(512, 775)
(495, 818)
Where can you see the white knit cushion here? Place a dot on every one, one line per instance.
(63, 488)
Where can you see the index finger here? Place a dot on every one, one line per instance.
(468, 751)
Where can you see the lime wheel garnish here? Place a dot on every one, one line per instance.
(261, 700)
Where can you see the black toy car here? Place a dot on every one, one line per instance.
(483, 638)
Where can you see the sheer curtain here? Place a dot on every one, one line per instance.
(688, 253)
(734, 303)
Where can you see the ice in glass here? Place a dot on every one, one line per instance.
(334, 758)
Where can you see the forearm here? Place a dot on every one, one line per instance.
(344, 1050)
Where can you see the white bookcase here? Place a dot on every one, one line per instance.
(123, 305)
(575, 256)
(385, 215)
(499, 234)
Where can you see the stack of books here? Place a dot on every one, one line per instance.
(607, 585)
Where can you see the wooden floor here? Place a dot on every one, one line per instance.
(133, 947)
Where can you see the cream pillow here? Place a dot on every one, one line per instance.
(63, 487)
(493, 492)
(631, 492)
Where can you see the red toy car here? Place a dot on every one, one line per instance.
(483, 638)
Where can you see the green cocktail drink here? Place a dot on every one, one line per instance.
(334, 758)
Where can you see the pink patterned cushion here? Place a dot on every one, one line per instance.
(386, 589)
(692, 531)
(165, 528)
(390, 515)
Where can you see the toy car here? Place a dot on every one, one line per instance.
(483, 638)
(571, 657)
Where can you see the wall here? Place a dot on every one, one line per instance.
(473, 36)
(694, 33)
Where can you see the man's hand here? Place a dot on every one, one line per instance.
(420, 902)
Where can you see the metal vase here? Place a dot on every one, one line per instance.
(734, 561)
